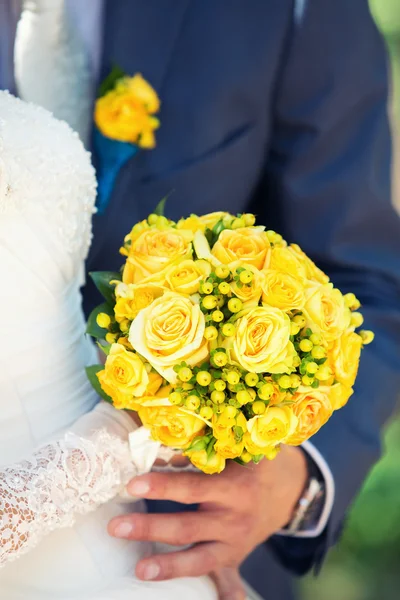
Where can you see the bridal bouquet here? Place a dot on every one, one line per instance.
(227, 341)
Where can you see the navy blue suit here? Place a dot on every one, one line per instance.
(288, 122)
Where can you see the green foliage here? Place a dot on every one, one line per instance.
(105, 348)
(102, 280)
(110, 81)
(91, 373)
(92, 328)
(160, 208)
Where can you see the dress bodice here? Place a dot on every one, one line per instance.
(47, 195)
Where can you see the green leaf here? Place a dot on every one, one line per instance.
(92, 327)
(105, 348)
(110, 81)
(258, 458)
(160, 208)
(102, 279)
(209, 236)
(91, 373)
(218, 228)
(238, 433)
(210, 446)
(199, 443)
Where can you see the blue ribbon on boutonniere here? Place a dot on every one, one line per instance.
(125, 121)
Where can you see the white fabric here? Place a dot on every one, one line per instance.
(70, 457)
(52, 65)
(299, 10)
(61, 480)
(143, 449)
(90, 26)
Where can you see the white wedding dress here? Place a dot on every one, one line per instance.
(63, 458)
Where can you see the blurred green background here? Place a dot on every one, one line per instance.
(366, 563)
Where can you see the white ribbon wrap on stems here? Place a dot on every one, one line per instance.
(144, 450)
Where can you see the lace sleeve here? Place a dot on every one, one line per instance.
(61, 480)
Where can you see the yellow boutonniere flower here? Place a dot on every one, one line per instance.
(126, 112)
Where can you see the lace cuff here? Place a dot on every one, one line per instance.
(61, 480)
(65, 478)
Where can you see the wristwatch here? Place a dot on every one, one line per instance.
(308, 510)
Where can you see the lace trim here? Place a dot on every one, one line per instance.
(62, 480)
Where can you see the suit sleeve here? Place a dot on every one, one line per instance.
(328, 177)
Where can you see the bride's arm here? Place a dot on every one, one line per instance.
(70, 476)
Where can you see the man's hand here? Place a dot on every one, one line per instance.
(238, 509)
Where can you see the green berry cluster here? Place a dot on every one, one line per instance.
(217, 387)
(218, 303)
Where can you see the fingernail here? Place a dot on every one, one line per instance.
(151, 571)
(123, 530)
(139, 488)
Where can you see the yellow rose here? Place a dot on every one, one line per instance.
(230, 447)
(282, 290)
(339, 395)
(152, 398)
(142, 90)
(326, 311)
(210, 463)
(155, 394)
(133, 235)
(154, 250)
(261, 343)
(286, 261)
(223, 425)
(125, 342)
(171, 426)
(278, 396)
(211, 219)
(249, 294)
(185, 277)
(155, 382)
(247, 245)
(344, 357)
(126, 112)
(269, 452)
(313, 409)
(124, 376)
(131, 299)
(312, 271)
(169, 331)
(273, 427)
(195, 223)
(191, 223)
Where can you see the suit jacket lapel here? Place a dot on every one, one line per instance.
(130, 26)
(139, 36)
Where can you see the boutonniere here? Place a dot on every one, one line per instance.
(125, 121)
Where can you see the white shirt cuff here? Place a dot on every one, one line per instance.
(316, 529)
